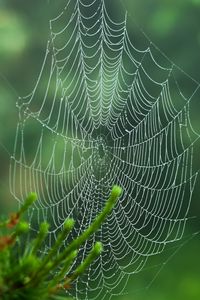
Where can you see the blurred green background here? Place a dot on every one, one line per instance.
(174, 26)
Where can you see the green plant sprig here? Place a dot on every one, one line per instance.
(27, 277)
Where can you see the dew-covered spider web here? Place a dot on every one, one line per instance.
(107, 108)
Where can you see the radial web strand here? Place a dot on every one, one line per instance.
(106, 111)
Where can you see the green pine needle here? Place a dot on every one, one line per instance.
(27, 277)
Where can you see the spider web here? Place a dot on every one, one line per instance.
(106, 110)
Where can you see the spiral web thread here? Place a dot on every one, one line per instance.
(104, 112)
